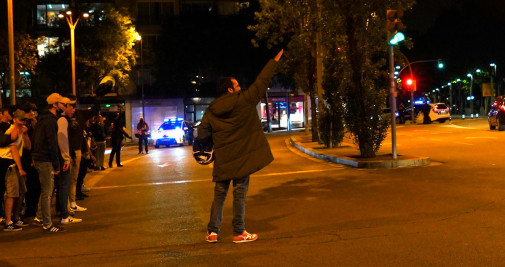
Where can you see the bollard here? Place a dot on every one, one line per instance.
(463, 116)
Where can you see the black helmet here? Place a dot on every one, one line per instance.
(204, 158)
(203, 150)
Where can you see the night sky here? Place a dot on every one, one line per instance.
(465, 34)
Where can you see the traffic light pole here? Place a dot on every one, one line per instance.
(392, 99)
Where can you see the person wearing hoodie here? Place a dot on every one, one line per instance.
(46, 160)
(240, 147)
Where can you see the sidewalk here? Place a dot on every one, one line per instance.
(348, 154)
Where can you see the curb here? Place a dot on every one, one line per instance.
(374, 163)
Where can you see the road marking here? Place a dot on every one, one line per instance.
(164, 165)
(480, 137)
(210, 179)
(457, 126)
(461, 143)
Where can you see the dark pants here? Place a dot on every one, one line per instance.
(62, 182)
(83, 170)
(143, 139)
(33, 191)
(116, 150)
(240, 187)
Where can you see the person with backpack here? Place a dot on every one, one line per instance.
(240, 147)
(142, 134)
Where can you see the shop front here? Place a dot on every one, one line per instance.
(285, 112)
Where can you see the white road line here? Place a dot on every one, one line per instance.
(457, 126)
(461, 143)
(210, 179)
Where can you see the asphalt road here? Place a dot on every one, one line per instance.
(307, 212)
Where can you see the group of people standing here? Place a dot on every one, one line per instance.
(46, 155)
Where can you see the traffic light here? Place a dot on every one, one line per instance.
(394, 26)
(440, 64)
(411, 84)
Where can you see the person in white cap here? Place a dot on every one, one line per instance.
(46, 160)
(63, 179)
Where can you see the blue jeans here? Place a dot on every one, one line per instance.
(46, 177)
(63, 185)
(240, 187)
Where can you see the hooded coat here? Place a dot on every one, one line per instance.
(240, 146)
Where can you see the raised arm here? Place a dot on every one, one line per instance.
(257, 90)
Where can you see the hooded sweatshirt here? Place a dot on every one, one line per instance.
(240, 146)
(45, 140)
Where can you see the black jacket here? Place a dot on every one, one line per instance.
(240, 146)
(45, 140)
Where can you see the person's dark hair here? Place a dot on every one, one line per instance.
(12, 109)
(71, 97)
(224, 84)
(28, 107)
(4, 109)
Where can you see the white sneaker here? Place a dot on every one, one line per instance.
(70, 220)
(78, 208)
(85, 188)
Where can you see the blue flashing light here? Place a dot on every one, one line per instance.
(419, 102)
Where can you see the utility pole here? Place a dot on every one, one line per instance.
(10, 26)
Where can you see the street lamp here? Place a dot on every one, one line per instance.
(72, 25)
(471, 93)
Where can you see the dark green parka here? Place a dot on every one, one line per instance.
(240, 146)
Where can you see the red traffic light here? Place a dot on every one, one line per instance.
(411, 84)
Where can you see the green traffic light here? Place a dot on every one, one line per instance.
(398, 37)
(440, 65)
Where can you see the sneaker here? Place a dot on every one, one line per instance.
(85, 188)
(245, 237)
(78, 208)
(53, 229)
(11, 227)
(211, 238)
(102, 168)
(20, 223)
(70, 220)
(38, 222)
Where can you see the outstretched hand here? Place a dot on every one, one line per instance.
(276, 58)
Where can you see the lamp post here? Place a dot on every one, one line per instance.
(491, 78)
(72, 25)
(139, 38)
(471, 93)
(450, 97)
(12, 82)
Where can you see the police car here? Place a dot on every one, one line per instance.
(172, 132)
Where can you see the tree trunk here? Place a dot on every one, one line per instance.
(306, 113)
(366, 149)
(313, 111)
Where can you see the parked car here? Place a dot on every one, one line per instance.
(173, 131)
(496, 116)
